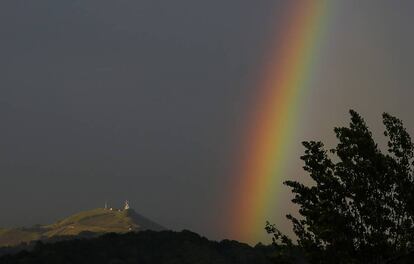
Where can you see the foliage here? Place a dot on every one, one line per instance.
(145, 247)
(360, 207)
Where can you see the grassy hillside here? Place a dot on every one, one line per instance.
(10, 237)
(97, 221)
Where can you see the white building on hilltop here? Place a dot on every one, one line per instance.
(126, 206)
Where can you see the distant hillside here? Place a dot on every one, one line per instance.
(97, 221)
(146, 247)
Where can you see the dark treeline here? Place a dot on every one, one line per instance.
(144, 247)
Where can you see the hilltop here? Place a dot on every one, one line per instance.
(97, 221)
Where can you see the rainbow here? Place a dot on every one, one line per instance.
(286, 78)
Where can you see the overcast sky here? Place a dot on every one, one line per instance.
(145, 100)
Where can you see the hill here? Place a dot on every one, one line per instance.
(97, 221)
(165, 247)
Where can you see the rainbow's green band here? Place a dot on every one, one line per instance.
(287, 74)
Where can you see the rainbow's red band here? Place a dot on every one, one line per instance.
(287, 72)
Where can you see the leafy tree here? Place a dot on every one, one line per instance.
(360, 207)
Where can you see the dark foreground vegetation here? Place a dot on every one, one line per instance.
(359, 207)
(146, 247)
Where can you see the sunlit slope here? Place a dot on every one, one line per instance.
(14, 236)
(96, 221)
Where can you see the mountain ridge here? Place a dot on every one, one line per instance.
(99, 221)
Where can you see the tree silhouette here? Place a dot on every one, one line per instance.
(360, 207)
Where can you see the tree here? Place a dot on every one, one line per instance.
(360, 207)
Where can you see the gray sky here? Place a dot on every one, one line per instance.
(145, 100)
